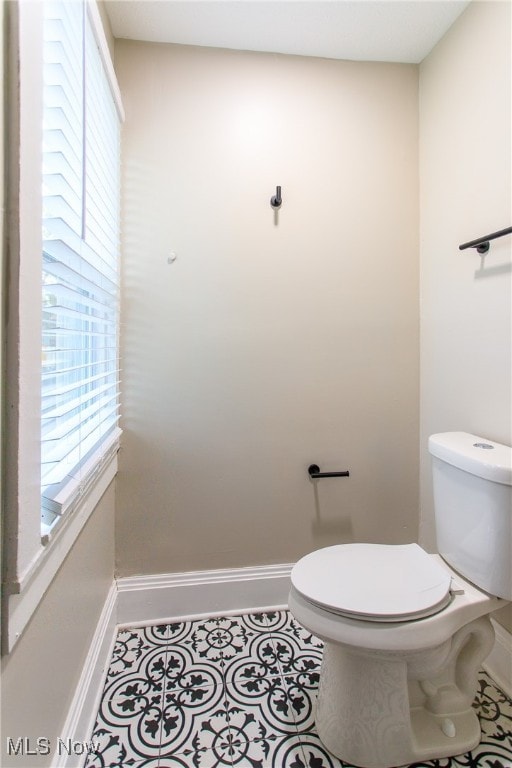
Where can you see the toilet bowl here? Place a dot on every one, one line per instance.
(405, 632)
(393, 692)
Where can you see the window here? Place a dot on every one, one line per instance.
(79, 383)
(62, 403)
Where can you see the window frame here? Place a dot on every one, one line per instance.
(31, 561)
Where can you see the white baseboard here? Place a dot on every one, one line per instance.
(84, 707)
(499, 662)
(149, 599)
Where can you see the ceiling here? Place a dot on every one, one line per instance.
(360, 30)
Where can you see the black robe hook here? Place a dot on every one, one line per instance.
(276, 200)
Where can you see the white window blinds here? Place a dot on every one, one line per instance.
(80, 293)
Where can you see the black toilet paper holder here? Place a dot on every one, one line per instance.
(315, 474)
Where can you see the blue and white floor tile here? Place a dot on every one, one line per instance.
(239, 691)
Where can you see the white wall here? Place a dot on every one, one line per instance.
(465, 172)
(40, 675)
(272, 341)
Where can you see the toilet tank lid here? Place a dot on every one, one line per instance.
(476, 455)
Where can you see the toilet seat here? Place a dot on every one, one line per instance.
(373, 582)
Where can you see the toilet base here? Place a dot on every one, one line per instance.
(382, 709)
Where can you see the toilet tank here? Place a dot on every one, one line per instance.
(472, 481)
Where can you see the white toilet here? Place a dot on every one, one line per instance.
(405, 632)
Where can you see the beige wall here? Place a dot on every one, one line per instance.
(271, 342)
(465, 170)
(40, 676)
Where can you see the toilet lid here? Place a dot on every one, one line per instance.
(373, 582)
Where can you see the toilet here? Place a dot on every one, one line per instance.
(405, 632)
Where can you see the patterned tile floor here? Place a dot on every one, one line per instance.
(238, 691)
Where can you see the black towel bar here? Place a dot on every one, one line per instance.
(482, 243)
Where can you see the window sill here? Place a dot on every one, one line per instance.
(78, 488)
(27, 593)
